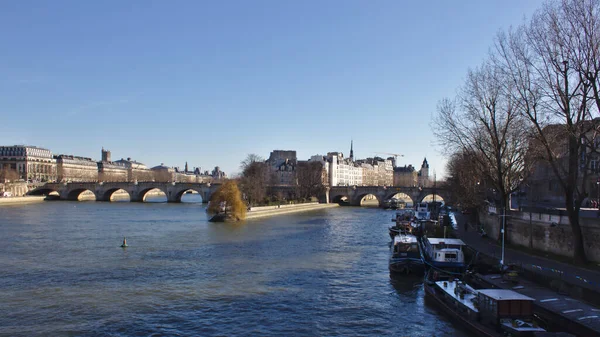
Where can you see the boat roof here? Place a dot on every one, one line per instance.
(468, 298)
(504, 295)
(447, 250)
(448, 241)
(403, 238)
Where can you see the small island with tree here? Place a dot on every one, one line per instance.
(226, 203)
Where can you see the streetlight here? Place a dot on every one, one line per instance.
(502, 231)
(598, 191)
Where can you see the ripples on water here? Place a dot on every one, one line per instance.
(322, 273)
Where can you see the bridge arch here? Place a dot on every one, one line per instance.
(43, 191)
(429, 198)
(360, 196)
(404, 196)
(443, 195)
(107, 195)
(141, 196)
(180, 193)
(74, 194)
(340, 199)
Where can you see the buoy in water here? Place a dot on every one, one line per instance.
(124, 243)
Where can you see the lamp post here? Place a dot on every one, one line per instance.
(598, 191)
(503, 235)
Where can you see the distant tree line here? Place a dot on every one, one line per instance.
(532, 100)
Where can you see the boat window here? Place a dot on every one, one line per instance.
(451, 256)
(407, 247)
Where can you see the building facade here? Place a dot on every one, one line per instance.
(76, 169)
(543, 187)
(325, 165)
(405, 176)
(136, 171)
(33, 164)
(344, 171)
(369, 177)
(109, 171)
(282, 167)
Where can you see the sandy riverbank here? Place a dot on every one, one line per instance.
(21, 200)
(264, 211)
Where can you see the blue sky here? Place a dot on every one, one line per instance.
(210, 82)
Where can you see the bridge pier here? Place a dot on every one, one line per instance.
(324, 198)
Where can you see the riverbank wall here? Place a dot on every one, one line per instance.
(21, 200)
(546, 233)
(265, 211)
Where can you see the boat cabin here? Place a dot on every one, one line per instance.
(422, 211)
(498, 309)
(508, 309)
(445, 252)
(405, 246)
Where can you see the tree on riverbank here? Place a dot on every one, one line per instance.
(253, 180)
(465, 181)
(8, 175)
(228, 199)
(553, 64)
(535, 101)
(484, 123)
(309, 177)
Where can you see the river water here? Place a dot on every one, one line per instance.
(320, 273)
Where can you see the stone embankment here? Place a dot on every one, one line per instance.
(21, 200)
(264, 211)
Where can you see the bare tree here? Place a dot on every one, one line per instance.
(253, 181)
(553, 64)
(310, 180)
(483, 123)
(464, 180)
(250, 159)
(8, 174)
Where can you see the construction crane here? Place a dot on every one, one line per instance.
(396, 155)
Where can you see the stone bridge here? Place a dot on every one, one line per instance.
(355, 194)
(104, 190)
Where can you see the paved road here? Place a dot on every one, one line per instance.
(575, 275)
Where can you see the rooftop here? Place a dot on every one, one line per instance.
(504, 294)
(447, 241)
(405, 239)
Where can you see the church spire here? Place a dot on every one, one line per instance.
(351, 151)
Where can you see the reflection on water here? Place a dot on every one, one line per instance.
(309, 274)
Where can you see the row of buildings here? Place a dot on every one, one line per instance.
(346, 171)
(35, 164)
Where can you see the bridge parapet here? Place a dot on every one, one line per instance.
(356, 193)
(136, 190)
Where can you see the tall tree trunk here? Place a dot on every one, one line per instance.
(573, 214)
(573, 202)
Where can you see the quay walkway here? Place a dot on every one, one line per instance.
(567, 273)
(266, 211)
(570, 305)
(559, 311)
